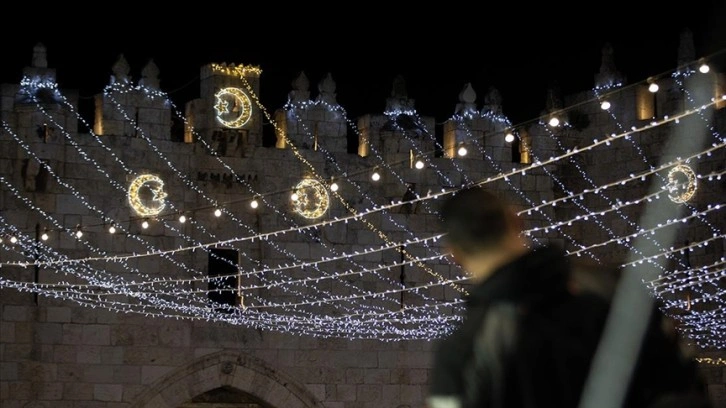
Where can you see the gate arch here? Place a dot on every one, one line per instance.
(225, 368)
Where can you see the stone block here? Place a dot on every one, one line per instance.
(64, 354)
(58, 314)
(108, 392)
(369, 393)
(78, 391)
(377, 376)
(96, 334)
(8, 371)
(72, 334)
(49, 391)
(13, 313)
(48, 333)
(89, 355)
(98, 374)
(411, 394)
(126, 374)
(354, 375)
(7, 332)
(151, 373)
(345, 392)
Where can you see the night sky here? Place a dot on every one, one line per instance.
(519, 50)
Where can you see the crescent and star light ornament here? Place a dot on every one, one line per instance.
(233, 106)
(312, 198)
(146, 195)
(682, 183)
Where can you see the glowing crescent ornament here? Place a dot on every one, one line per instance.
(146, 195)
(312, 198)
(681, 191)
(233, 107)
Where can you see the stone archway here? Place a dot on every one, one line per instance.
(227, 369)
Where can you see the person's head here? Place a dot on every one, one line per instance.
(482, 231)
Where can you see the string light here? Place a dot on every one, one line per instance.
(605, 105)
(375, 176)
(145, 224)
(44, 236)
(254, 203)
(462, 151)
(13, 239)
(112, 229)
(703, 66)
(217, 212)
(419, 164)
(182, 218)
(653, 87)
(554, 121)
(509, 137)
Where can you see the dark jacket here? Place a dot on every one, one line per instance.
(528, 338)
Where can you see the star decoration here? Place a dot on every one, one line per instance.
(222, 106)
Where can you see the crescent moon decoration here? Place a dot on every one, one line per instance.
(682, 183)
(233, 106)
(312, 198)
(146, 195)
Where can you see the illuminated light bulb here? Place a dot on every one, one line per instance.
(704, 68)
(44, 237)
(509, 137)
(217, 213)
(653, 87)
(462, 151)
(112, 229)
(79, 233)
(145, 224)
(334, 187)
(554, 122)
(419, 164)
(13, 239)
(376, 176)
(294, 196)
(254, 203)
(605, 105)
(182, 218)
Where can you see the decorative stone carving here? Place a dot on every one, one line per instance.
(467, 101)
(554, 97)
(227, 367)
(150, 75)
(300, 89)
(326, 87)
(120, 70)
(686, 49)
(40, 56)
(399, 102)
(492, 101)
(609, 74)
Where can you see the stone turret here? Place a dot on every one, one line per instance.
(467, 101)
(120, 70)
(686, 49)
(399, 102)
(492, 102)
(326, 87)
(40, 56)
(150, 76)
(300, 89)
(609, 76)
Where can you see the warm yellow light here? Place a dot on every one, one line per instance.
(217, 213)
(334, 187)
(462, 151)
(509, 137)
(146, 195)
(312, 198)
(682, 194)
(182, 218)
(233, 107)
(605, 105)
(294, 197)
(112, 230)
(254, 203)
(653, 87)
(145, 224)
(554, 122)
(238, 70)
(376, 176)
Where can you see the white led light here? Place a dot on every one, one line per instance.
(554, 122)
(653, 87)
(376, 176)
(605, 105)
(79, 233)
(294, 196)
(334, 187)
(509, 137)
(44, 237)
(13, 239)
(145, 224)
(112, 229)
(419, 164)
(217, 213)
(254, 203)
(462, 151)
(704, 68)
(182, 218)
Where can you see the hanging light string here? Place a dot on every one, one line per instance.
(435, 195)
(350, 209)
(694, 276)
(185, 179)
(169, 226)
(331, 159)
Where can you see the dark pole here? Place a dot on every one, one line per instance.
(403, 274)
(36, 256)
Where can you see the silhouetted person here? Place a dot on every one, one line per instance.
(533, 322)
